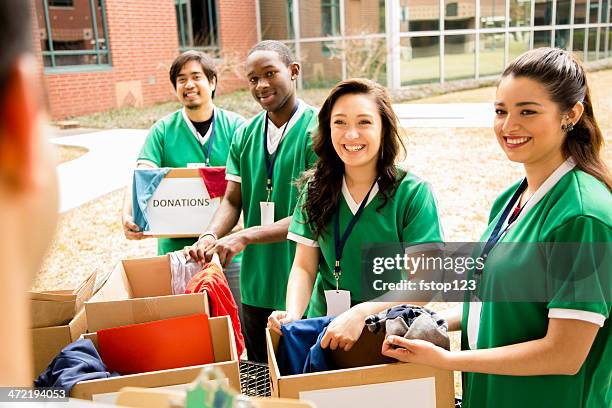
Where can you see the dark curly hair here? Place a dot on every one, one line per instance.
(324, 181)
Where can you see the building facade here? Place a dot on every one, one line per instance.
(104, 54)
(99, 55)
(407, 42)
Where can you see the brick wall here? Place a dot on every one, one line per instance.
(238, 33)
(143, 43)
(143, 39)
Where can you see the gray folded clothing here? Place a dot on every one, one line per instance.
(411, 322)
(423, 327)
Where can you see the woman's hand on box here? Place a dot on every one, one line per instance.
(278, 318)
(415, 351)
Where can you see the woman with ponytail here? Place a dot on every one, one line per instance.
(552, 346)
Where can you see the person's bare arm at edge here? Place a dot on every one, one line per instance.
(299, 287)
(130, 229)
(562, 351)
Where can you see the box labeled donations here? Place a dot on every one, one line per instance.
(176, 202)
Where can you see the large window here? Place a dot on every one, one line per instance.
(407, 42)
(197, 25)
(330, 18)
(73, 33)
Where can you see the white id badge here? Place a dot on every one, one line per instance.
(267, 212)
(338, 301)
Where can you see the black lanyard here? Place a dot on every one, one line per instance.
(340, 242)
(271, 159)
(497, 231)
(211, 139)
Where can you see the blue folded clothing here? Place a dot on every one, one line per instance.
(78, 361)
(299, 350)
(144, 185)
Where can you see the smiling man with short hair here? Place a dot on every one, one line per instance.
(199, 133)
(267, 155)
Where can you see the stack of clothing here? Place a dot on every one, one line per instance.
(411, 322)
(299, 350)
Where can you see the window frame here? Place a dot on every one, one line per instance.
(55, 6)
(185, 33)
(100, 53)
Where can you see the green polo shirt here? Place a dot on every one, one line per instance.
(578, 209)
(410, 216)
(265, 267)
(172, 143)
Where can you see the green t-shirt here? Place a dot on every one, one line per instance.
(173, 142)
(410, 216)
(578, 208)
(265, 267)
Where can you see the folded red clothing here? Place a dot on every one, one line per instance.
(214, 180)
(158, 345)
(212, 281)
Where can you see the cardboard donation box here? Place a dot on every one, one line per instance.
(364, 378)
(182, 204)
(139, 291)
(57, 319)
(225, 356)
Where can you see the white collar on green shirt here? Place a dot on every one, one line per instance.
(475, 308)
(548, 184)
(353, 206)
(275, 133)
(194, 132)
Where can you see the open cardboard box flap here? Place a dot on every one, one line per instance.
(137, 278)
(226, 359)
(59, 307)
(140, 291)
(362, 365)
(105, 315)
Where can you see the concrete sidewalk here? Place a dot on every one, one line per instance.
(108, 164)
(106, 167)
(445, 115)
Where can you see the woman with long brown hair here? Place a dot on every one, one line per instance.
(356, 194)
(555, 349)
